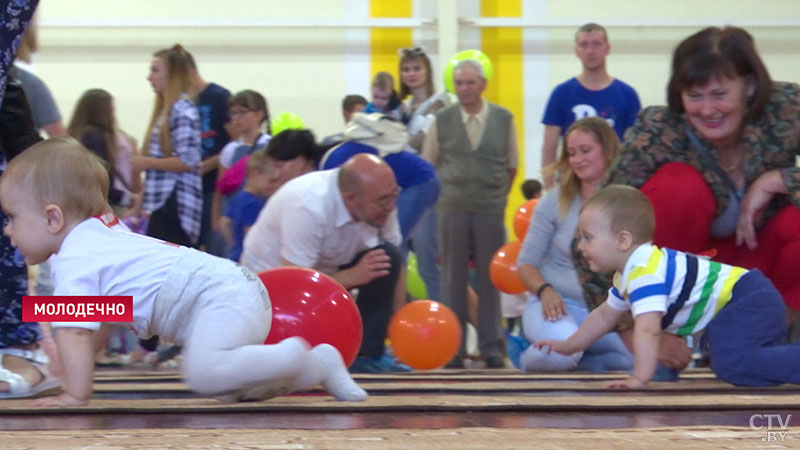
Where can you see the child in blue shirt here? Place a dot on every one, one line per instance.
(743, 315)
(244, 207)
(384, 97)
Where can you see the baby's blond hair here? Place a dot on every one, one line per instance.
(63, 172)
(627, 208)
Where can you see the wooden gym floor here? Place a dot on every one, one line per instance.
(443, 409)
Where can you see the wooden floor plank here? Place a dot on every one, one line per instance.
(478, 387)
(624, 401)
(697, 437)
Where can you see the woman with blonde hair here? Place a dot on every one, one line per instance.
(171, 157)
(420, 101)
(171, 154)
(557, 306)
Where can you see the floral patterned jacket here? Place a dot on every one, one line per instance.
(771, 141)
(14, 18)
(659, 137)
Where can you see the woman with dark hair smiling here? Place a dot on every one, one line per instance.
(719, 162)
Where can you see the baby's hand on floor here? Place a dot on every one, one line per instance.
(552, 345)
(628, 383)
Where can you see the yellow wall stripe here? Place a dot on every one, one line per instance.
(384, 42)
(503, 46)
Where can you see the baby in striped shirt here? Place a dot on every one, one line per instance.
(743, 315)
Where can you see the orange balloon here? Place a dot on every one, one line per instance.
(522, 219)
(425, 334)
(503, 269)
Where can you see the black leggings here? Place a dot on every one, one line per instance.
(165, 224)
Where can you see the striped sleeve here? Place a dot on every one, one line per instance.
(616, 301)
(648, 286)
(648, 293)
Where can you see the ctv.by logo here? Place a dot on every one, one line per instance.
(757, 422)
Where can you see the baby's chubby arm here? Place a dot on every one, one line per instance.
(599, 322)
(76, 351)
(646, 334)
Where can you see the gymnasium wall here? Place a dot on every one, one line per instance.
(305, 55)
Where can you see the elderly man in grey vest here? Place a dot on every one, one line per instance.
(473, 145)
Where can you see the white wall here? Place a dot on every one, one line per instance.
(309, 70)
(640, 55)
(302, 70)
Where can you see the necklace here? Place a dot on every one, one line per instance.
(731, 167)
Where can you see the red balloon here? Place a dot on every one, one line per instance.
(503, 269)
(425, 334)
(522, 219)
(314, 306)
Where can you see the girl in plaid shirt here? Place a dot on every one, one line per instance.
(173, 187)
(172, 152)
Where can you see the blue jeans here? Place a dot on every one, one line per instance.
(417, 219)
(747, 338)
(413, 203)
(608, 353)
(426, 246)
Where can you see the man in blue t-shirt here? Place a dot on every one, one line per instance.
(592, 93)
(212, 103)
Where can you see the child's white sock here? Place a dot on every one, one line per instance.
(337, 379)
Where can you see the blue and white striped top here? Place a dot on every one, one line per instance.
(687, 289)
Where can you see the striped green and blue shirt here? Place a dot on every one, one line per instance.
(687, 289)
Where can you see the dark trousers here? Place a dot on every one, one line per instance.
(685, 207)
(165, 224)
(483, 234)
(375, 302)
(747, 337)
